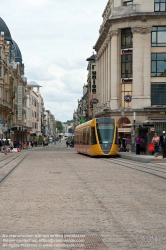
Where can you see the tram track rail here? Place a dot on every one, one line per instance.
(150, 168)
(8, 168)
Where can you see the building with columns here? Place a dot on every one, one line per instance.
(131, 62)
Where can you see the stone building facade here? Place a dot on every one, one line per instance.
(131, 61)
(21, 104)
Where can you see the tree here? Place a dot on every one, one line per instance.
(69, 122)
(59, 126)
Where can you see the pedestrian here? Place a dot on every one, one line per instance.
(15, 144)
(29, 145)
(138, 142)
(124, 143)
(119, 143)
(67, 144)
(6, 146)
(156, 142)
(11, 145)
(128, 144)
(163, 144)
(0, 145)
(32, 144)
(142, 146)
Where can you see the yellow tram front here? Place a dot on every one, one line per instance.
(97, 137)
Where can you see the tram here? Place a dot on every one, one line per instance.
(98, 137)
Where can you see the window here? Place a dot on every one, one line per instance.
(159, 5)
(126, 39)
(158, 94)
(158, 64)
(7, 96)
(126, 3)
(93, 136)
(159, 36)
(126, 66)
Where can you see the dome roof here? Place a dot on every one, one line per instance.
(4, 28)
(33, 84)
(17, 52)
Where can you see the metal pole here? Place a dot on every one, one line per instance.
(133, 134)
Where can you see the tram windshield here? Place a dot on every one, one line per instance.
(105, 133)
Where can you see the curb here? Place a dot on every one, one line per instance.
(136, 158)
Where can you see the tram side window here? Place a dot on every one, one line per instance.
(93, 136)
(76, 138)
(81, 137)
(84, 136)
(88, 136)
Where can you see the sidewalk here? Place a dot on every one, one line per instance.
(140, 158)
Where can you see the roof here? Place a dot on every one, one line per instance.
(17, 52)
(33, 84)
(91, 58)
(4, 28)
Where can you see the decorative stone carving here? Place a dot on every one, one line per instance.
(114, 33)
(142, 30)
(107, 10)
(144, 18)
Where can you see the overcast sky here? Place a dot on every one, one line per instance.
(55, 38)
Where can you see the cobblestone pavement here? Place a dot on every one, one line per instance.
(55, 190)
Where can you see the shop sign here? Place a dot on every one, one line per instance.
(127, 98)
(94, 101)
(19, 107)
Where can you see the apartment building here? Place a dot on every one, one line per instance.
(12, 88)
(130, 56)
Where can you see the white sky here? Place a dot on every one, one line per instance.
(55, 38)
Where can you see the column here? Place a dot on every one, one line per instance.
(141, 96)
(114, 70)
(109, 71)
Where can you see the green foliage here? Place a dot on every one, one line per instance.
(69, 122)
(59, 126)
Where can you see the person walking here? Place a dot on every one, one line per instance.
(142, 146)
(138, 142)
(124, 143)
(6, 146)
(0, 145)
(119, 143)
(67, 144)
(163, 144)
(128, 144)
(11, 145)
(156, 142)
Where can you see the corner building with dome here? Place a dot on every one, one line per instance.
(131, 64)
(22, 112)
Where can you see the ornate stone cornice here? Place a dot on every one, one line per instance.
(110, 34)
(114, 33)
(142, 30)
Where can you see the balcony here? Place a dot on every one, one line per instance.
(125, 10)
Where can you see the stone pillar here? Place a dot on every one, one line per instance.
(109, 70)
(141, 96)
(114, 70)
